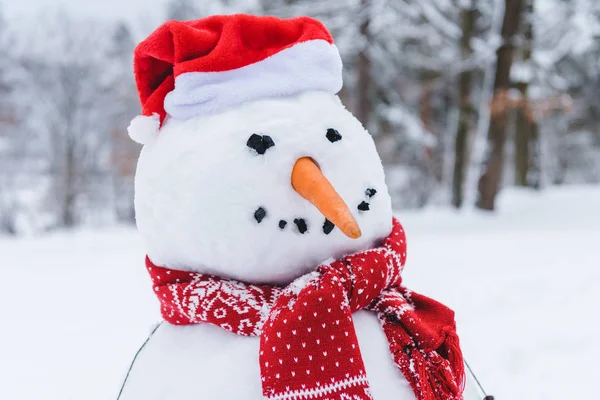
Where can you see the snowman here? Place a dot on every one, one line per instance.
(269, 232)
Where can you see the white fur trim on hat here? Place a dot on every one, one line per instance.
(314, 65)
(144, 129)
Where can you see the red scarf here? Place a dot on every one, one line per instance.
(308, 346)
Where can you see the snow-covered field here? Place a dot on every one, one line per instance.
(525, 284)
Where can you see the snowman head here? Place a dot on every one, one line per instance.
(258, 172)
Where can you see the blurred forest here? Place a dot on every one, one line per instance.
(463, 97)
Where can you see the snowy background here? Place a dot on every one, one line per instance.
(523, 278)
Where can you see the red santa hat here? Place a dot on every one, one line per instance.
(192, 68)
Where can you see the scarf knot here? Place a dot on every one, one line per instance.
(308, 345)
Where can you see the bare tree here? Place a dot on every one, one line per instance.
(70, 102)
(123, 151)
(490, 180)
(526, 130)
(7, 122)
(466, 116)
(364, 107)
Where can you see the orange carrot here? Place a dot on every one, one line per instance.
(310, 183)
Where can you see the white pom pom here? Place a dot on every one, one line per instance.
(143, 129)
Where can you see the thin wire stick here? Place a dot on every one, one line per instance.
(135, 358)
(478, 383)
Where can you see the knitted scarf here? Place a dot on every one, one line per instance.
(308, 346)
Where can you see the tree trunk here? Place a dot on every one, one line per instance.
(534, 175)
(534, 172)
(563, 157)
(68, 206)
(425, 101)
(363, 84)
(489, 182)
(466, 109)
(522, 133)
(526, 125)
(434, 154)
(7, 201)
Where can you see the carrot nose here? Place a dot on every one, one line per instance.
(310, 183)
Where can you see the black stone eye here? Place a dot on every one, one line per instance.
(328, 227)
(260, 214)
(260, 143)
(364, 206)
(333, 135)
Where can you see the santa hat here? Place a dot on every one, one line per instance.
(192, 68)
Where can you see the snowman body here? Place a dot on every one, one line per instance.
(253, 171)
(198, 187)
(205, 362)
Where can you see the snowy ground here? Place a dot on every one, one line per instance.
(75, 306)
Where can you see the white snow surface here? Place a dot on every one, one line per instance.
(524, 284)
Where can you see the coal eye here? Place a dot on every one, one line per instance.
(260, 143)
(333, 135)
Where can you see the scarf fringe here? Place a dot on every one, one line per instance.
(431, 376)
(455, 357)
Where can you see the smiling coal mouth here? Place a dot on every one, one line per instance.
(302, 225)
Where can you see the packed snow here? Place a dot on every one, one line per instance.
(524, 282)
(183, 179)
